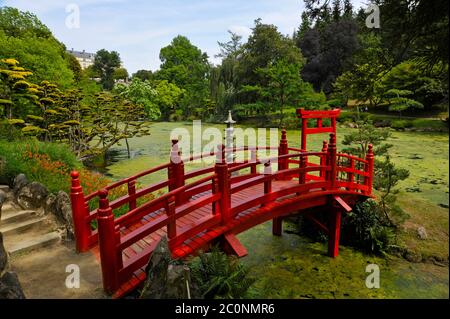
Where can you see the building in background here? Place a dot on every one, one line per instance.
(84, 58)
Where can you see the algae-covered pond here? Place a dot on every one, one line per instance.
(294, 267)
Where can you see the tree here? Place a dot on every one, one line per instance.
(14, 88)
(120, 74)
(75, 66)
(265, 47)
(186, 66)
(232, 48)
(105, 63)
(284, 85)
(168, 97)
(416, 28)
(140, 93)
(26, 39)
(328, 50)
(426, 87)
(399, 101)
(363, 81)
(143, 75)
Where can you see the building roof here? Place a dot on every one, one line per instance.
(81, 54)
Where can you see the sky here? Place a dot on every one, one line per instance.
(138, 29)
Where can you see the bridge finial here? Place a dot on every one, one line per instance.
(370, 149)
(324, 146)
(332, 140)
(283, 134)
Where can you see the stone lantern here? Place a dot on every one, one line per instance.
(229, 138)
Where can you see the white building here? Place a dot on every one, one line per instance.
(84, 58)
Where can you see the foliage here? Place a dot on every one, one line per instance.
(357, 142)
(143, 75)
(168, 98)
(367, 228)
(28, 40)
(47, 163)
(186, 66)
(120, 74)
(140, 93)
(14, 88)
(220, 276)
(386, 177)
(398, 100)
(105, 64)
(284, 85)
(427, 89)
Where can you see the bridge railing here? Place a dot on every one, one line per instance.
(214, 186)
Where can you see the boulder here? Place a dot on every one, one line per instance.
(3, 256)
(20, 181)
(10, 287)
(32, 196)
(166, 278)
(3, 198)
(59, 205)
(422, 233)
(155, 285)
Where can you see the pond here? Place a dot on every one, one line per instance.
(294, 267)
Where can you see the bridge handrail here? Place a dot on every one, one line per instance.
(144, 208)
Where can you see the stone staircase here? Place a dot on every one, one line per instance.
(25, 230)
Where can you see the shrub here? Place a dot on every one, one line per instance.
(368, 229)
(220, 276)
(401, 124)
(46, 163)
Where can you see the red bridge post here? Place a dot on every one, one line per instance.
(132, 195)
(331, 162)
(323, 159)
(334, 232)
(79, 214)
(283, 149)
(111, 261)
(223, 181)
(176, 171)
(370, 157)
(253, 159)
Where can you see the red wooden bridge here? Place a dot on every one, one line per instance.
(211, 205)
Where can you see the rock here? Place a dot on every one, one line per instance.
(32, 196)
(443, 205)
(19, 182)
(413, 189)
(3, 256)
(422, 233)
(156, 270)
(166, 278)
(10, 287)
(3, 198)
(413, 257)
(61, 208)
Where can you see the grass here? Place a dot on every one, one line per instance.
(434, 219)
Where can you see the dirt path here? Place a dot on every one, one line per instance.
(42, 273)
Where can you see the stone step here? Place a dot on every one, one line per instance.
(32, 243)
(4, 188)
(10, 207)
(12, 216)
(20, 227)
